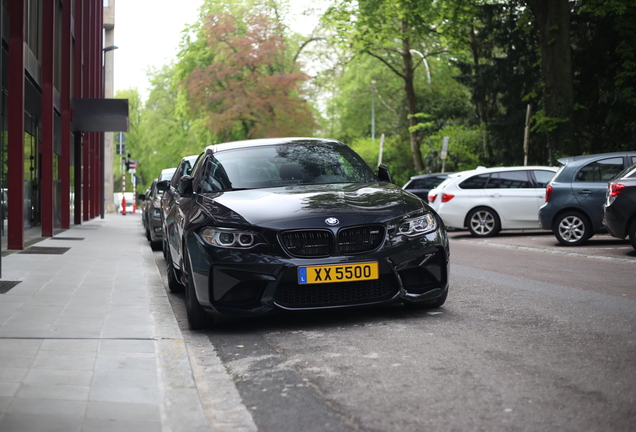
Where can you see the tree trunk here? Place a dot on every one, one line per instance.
(479, 100)
(410, 99)
(553, 21)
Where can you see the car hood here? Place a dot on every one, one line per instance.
(310, 205)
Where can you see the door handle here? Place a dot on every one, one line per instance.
(585, 192)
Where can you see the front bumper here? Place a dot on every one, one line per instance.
(236, 283)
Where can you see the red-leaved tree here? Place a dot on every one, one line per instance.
(249, 90)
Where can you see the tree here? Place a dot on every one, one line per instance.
(248, 89)
(388, 30)
(553, 25)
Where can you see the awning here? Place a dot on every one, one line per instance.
(100, 115)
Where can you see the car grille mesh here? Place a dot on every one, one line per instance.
(318, 243)
(360, 239)
(308, 243)
(295, 296)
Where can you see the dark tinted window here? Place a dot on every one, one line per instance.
(475, 182)
(600, 171)
(543, 177)
(283, 165)
(509, 180)
(425, 183)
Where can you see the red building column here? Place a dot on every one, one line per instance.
(78, 82)
(65, 106)
(15, 117)
(48, 115)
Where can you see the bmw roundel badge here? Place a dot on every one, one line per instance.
(332, 221)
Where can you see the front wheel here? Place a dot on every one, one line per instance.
(632, 234)
(572, 229)
(174, 285)
(483, 222)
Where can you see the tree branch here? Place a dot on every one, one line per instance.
(398, 73)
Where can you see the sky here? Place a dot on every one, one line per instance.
(148, 32)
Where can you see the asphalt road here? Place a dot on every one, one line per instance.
(533, 337)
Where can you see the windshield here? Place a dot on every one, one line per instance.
(283, 165)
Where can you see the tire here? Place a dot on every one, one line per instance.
(148, 235)
(174, 285)
(198, 318)
(632, 233)
(164, 247)
(155, 245)
(572, 228)
(483, 222)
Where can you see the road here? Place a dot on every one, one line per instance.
(533, 337)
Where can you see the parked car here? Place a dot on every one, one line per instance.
(298, 224)
(151, 209)
(167, 200)
(619, 210)
(487, 200)
(421, 184)
(573, 208)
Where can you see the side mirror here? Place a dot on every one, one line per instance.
(141, 197)
(383, 174)
(163, 185)
(184, 187)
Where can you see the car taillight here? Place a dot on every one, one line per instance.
(447, 197)
(431, 198)
(548, 192)
(615, 189)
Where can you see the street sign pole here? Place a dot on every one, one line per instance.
(132, 169)
(444, 153)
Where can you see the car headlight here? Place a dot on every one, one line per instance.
(230, 238)
(418, 225)
(156, 213)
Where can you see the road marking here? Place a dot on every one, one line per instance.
(558, 252)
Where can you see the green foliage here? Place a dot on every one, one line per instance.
(463, 148)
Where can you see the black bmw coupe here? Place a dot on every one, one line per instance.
(298, 224)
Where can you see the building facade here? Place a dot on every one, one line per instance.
(54, 115)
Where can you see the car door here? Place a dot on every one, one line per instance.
(590, 184)
(513, 195)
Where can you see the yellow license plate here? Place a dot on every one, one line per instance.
(338, 273)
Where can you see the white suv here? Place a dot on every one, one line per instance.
(487, 200)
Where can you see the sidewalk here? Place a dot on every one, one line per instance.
(88, 339)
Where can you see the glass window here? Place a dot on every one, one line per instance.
(509, 180)
(543, 177)
(283, 165)
(426, 183)
(475, 182)
(600, 171)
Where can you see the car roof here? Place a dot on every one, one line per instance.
(189, 158)
(269, 141)
(585, 158)
(484, 170)
(166, 174)
(420, 176)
